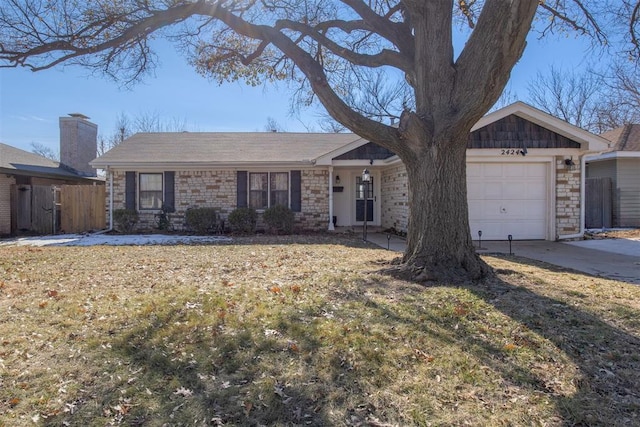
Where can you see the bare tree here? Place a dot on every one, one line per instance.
(44, 151)
(620, 103)
(272, 125)
(594, 100)
(325, 47)
(144, 122)
(573, 97)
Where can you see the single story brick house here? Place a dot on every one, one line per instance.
(620, 166)
(525, 174)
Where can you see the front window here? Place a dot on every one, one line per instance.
(280, 189)
(258, 190)
(150, 191)
(268, 189)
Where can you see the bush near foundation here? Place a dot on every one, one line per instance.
(243, 220)
(125, 219)
(279, 219)
(202, 220)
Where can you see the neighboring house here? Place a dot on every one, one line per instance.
(619, 172)
(21, 171)
(524, 174)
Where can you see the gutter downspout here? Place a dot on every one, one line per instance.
(331, 227)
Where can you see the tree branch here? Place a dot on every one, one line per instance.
(484, 65)
(385, 57)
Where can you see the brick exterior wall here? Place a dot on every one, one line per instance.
(217, 189)
(567, 198)
(315, 200)
(394, 193)
(5, 203)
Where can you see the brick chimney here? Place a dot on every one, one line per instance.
(78, 143)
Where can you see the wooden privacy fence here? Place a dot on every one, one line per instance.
(32, 209)
(46, 209)
(598, 203)
(82, 208)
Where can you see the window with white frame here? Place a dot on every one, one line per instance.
(268, 189)
(150, 193)
(279, 187)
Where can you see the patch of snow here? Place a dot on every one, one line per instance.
(112, 240)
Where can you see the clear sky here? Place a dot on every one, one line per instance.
(31, 103)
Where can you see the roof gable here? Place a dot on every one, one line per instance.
(368, 151)
(513, 131)
(587, 140)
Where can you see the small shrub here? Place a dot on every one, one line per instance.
(243, 220)
(201, 220)
(279, 219)
(163, 219)
(125, 219)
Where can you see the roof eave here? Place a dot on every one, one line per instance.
(199, 165)
(19, 172)
(612, 155)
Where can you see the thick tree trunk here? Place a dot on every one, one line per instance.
(439, 245)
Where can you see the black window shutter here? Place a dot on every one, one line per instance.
(296, 191)
(242, 189)
(169, 191)
(130, 190)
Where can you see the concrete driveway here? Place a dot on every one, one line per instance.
(617, 259)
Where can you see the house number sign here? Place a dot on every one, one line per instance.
(512, 152)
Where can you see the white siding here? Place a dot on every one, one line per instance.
(627, 197)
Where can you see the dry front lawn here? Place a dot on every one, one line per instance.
(306, 331)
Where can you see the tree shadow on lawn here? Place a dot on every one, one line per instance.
(607, 387)
(329, 362)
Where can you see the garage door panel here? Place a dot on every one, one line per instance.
(474, 170)
(492, 170)
(515, 190)
(508, 198)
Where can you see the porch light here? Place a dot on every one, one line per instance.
(366, 178)
(337, 179)
(569, 163)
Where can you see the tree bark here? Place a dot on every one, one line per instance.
(439, 246)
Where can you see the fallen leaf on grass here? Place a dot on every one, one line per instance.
(247, 408)
(460, 310)
(184, 392)
(422, 355)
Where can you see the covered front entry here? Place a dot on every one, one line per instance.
(511, 198)
(351, 198)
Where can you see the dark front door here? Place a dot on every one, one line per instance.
(364, 196)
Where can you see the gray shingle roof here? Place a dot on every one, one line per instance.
(20, 162)
(223, 148)
(624, 138)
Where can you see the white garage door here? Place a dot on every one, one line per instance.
(508, 198)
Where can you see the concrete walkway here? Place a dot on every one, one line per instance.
(617, 259)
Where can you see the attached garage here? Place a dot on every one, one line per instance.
(525, 177)
(508, 199)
